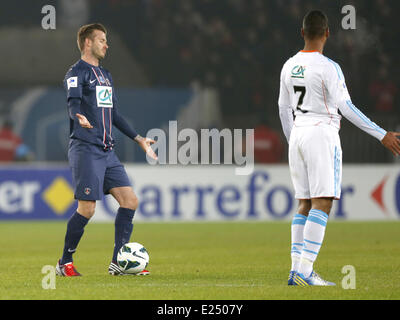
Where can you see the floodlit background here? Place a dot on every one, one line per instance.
(205, 64)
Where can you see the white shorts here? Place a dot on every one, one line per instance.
(315, 160)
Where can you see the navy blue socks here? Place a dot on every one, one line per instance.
(76, 226)
(75, 229)
(123, 229)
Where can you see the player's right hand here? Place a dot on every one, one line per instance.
(83, 121)
(392, 142)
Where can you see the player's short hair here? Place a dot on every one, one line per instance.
(86, 31)
(315, 23)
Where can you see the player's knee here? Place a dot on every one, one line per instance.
(135, 203)
(327, 207)
(323, 204)
(130, 203)
(304, 206)
(86, 208)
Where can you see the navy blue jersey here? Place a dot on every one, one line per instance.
(90, 92)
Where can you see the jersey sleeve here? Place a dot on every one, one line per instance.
(334, 82)
(336, 85)
(285, 109)
(74, 107)
(122, 124)
(73, 83)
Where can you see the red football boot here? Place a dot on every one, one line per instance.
(66, 270)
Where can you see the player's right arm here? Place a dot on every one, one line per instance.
(285, 109)
(336, 86)
(73, 85)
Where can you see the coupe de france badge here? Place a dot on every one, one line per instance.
(72, 82)
(104, 97)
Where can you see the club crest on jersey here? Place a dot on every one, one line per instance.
(87, 191)
(298, 71)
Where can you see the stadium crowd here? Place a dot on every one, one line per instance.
(239, 46)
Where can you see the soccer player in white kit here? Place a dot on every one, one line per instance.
(312, 91)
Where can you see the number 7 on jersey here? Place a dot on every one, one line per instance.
(302, 91)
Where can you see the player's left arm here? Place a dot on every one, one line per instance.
(388, 138)
(337, 87)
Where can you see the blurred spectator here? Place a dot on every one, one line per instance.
(11, 145)
(383, 91)
(73, 13)
(268, 146)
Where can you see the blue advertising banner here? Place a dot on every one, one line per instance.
(199, 193)
(31, 194)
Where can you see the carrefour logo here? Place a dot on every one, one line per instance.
(378, 192)
(398, 194)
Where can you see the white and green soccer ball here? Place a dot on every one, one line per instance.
(132, 258)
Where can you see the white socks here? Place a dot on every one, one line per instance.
(313, 229)
(298, 223)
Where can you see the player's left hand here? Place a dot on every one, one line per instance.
(392, 142)
(145, 144)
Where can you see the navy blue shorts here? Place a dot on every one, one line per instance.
(94, 170)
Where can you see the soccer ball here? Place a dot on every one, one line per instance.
(132, 258)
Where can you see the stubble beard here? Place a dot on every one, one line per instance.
(99, 55)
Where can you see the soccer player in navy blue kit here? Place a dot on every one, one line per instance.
(96, 169)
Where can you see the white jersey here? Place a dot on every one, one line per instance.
(313, 87)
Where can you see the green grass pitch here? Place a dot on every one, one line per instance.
(202, 261)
